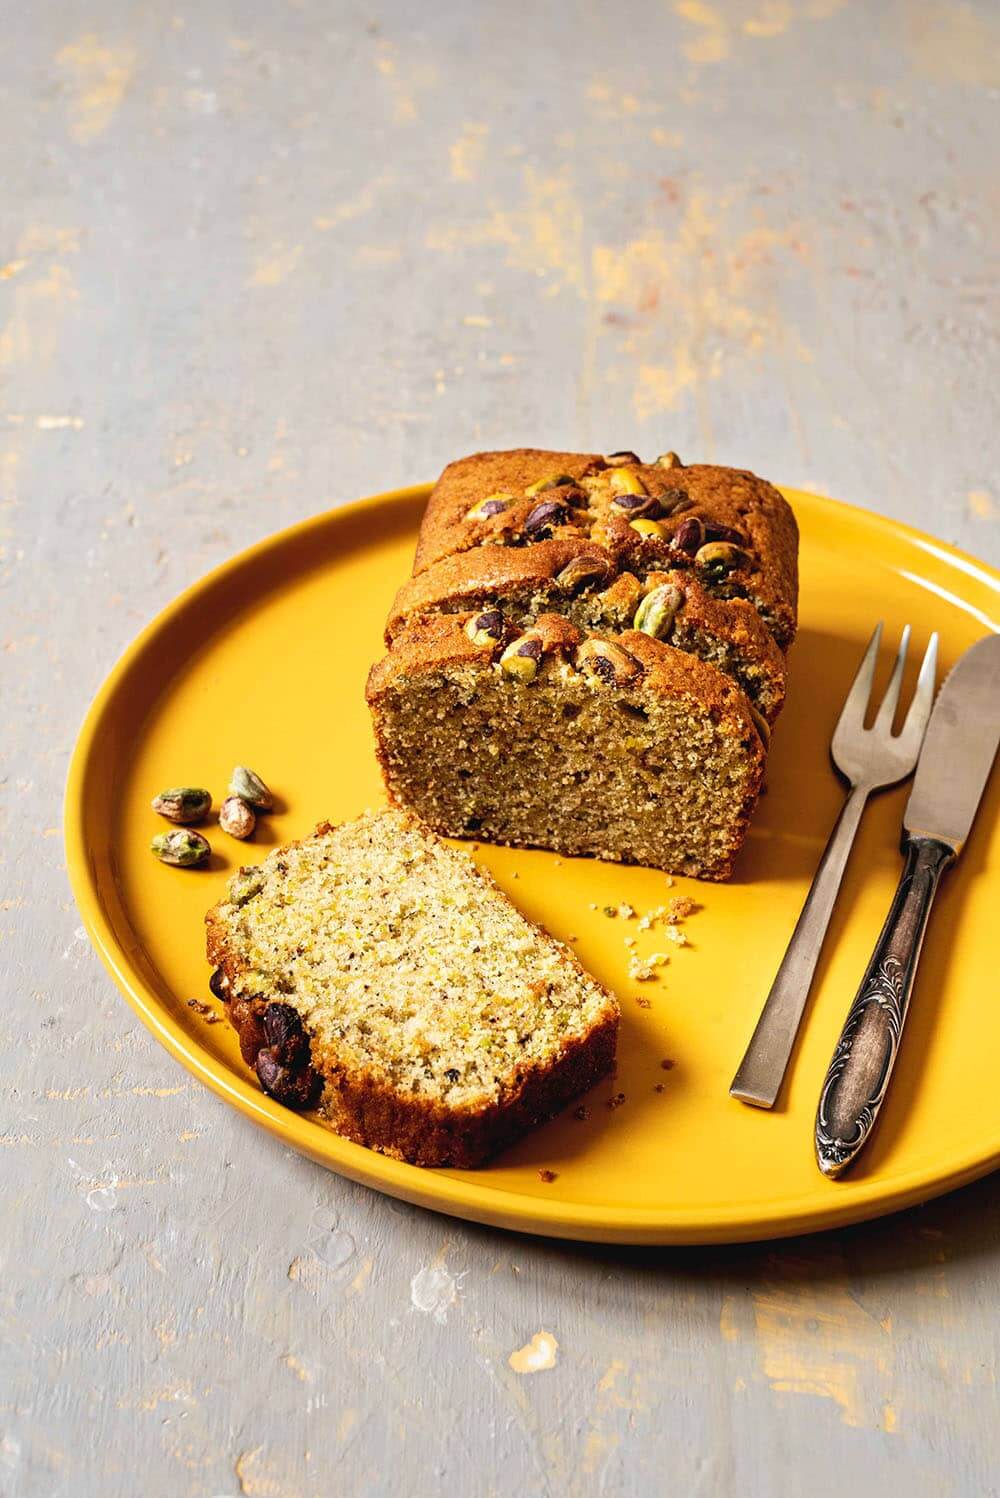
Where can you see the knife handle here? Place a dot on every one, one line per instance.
(859, 1073)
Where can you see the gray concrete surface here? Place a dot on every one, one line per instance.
(258, 258)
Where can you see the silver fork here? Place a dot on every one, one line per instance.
(869, 759)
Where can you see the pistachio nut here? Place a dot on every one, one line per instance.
(720, 557)
(181, 848)
(714, 531)
(674, 500)
(761, 724)
(553, 481)
(245, 884)
(236, 817)
(251, 789)
(493, 504)
(637, 506)
(520, 659)
(689, 535)
(615, 460)
(581, 572)
(669, 460)
(656, 612)
(624, 481)
(486, 628)
(648, 528)
(550, 512)
(184, 803)
(608, 663)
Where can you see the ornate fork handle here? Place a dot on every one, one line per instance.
(859, 1073)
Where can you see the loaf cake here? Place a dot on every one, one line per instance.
(589, 655)
(376, 973)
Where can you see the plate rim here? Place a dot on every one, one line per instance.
(470, 1197)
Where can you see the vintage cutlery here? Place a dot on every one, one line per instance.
(869, 759)
(952, 772)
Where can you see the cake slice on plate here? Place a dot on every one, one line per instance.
(378, 974)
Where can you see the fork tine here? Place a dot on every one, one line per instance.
(887, 711)
(912, 731)
(852, 714)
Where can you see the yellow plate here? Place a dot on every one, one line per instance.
(264, 663)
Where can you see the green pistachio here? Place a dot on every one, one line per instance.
(581, 572)
(656, 612)
(251, 789)
(553, 481)
(669, 460)
(608, 663)
(486, 628)
(624, 481)
(720, 557)
(184, 803)
(490, 505)
(521, 658)
(181, 848)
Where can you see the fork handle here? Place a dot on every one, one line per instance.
(760, 1073)
(859, 1073)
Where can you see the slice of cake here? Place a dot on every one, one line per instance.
(628, 750)
(374, 972)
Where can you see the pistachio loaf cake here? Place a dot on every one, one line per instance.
(589, 655)
(376, 973)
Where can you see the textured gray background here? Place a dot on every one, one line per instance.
(258, 258)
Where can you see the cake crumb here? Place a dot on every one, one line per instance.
(643, 969)
(616, 1101)
(626, 911)
(677, 936)
(659, 1087)
(667, 1064)
(670, 881)
(610, 911)
(207, 1013)
(644, 1003)
(548, 1176)
(680, 907)
(629, 941)
(582, 1113)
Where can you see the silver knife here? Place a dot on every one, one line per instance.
(954, 766)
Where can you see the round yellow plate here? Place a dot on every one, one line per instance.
(264, 663)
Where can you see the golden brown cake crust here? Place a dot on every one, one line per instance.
(720, 499)
(362, 1107)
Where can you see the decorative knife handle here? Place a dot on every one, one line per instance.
(859, 1073)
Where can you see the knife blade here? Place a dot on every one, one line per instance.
(959, 748)
(958, 751)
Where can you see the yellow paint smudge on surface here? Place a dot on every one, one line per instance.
(294, 1365)
(59, 423)
(981, 504)
(815, 1339)
(889, 1419)
(473, 320)
(614, 1368)
(772, 19)
(728, 1328)
(273, 269)
(360, 1280)
(99, 76)
(535, 1356)
(466, 153)
(257, 1476)
(12, 268)
(711, 42)
(348, 1420)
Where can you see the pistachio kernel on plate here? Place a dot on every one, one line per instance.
(251, 789)
(183, 803)
(181, 848)
(236, 817)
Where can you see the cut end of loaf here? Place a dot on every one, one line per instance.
(662, 770)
